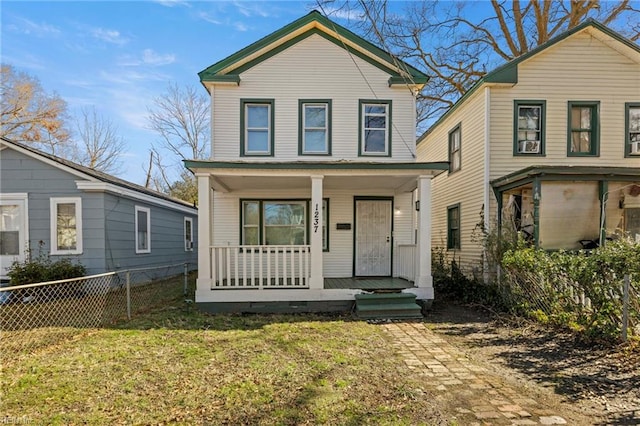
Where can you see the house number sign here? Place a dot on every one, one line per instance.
(316, 218)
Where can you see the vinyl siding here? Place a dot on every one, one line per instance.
(314, 68)
(464, 186)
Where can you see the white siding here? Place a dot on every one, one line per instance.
(314, 68)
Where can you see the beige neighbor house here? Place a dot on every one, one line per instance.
(309, 195)
(548, 144)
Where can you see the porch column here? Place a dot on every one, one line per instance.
(316, 280)
(423, 242)
(204, 233)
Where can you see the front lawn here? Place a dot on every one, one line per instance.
(176, 365)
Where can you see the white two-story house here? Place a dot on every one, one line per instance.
(547, 144)
(310, 194)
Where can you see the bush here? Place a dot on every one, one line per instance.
(42, 268)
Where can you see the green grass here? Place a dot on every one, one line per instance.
(179, 366)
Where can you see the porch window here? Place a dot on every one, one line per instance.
(375, 128)
(66, 226)
(143, 229)
(455, 152)
(528, 127)
(257, 120)
(10, 229)
(188, 234)
(275, 222)
(583, 130)
(315, 127)
(632, 223)
(632, 125)
(453, 227)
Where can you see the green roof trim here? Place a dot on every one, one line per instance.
(316, 165)
(228, 78)
(508, 73)
(210, 72)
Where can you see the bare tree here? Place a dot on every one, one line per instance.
(456, 43)
(98, 146)
(29, 114)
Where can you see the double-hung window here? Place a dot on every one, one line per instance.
(455, 149)
(143, 229)
(528, 127)
(453, 227)
(315, 127)
(632, 125)
(188, 234)
(66, 226)
(583, 131)
(257, 121)
(375, 128)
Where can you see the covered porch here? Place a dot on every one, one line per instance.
(322, 231)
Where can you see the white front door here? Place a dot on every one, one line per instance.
(13, 230)
(373, 238)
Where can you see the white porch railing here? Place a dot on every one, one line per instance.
(257, 267)
(407, 261)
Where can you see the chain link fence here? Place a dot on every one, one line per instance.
(34, 316)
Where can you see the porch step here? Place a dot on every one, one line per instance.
(387, 306)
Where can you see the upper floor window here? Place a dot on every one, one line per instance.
(632, 143)
(453, 227)
(66, 226)
(375, 128)
(256, 136)
(143, 229)
(583, 132)
(528, 127)
(455, 149)
(315, 127)
(188, 234)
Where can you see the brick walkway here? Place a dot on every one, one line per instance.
(478, 396)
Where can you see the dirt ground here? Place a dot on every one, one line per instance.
(603, 383)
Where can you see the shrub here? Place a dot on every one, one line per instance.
(42, 268)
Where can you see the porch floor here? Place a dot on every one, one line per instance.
(373, 283)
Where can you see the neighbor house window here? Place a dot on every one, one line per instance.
(257, 120)
(66, 226)
(315, 127)
(528, 127)
(10, 220)
(275, 222)
(375, 128)
(143, 230)
(188, 234)
(455, 152)
(632, 144)
(583, 130)
(453, 227)
(632, 223)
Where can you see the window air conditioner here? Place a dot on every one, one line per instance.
(529, 147)
(635, 148)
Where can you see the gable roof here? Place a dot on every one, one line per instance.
(89, 174)
(228, 69)
(508, 72)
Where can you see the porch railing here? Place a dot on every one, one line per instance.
(238, 267)
(407, 261)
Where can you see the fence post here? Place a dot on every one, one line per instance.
(625, 306)
(186, 274)
(129, 295)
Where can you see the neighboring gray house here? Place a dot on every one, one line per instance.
(73, 211)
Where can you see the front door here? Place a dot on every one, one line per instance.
(373, 226)
(13, 230)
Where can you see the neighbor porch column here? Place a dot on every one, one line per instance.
(316, 280)
(423, 243)
(204, 232)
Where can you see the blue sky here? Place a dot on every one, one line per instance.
(119, 55)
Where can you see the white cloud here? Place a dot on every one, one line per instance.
(172, 3)
(207, 17)
(344, 13)
(252, 9)
(26, 26)
(240, 26)
(148, 57)
(110, 36)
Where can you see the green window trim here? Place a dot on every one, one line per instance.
(455, 151)
(529, 135)
(260, 225)
(362, 105)
(244, 128)
(592, 128)
(302, 128)
(632, 129)
(453, 227)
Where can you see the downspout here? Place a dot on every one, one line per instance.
(487, 174)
